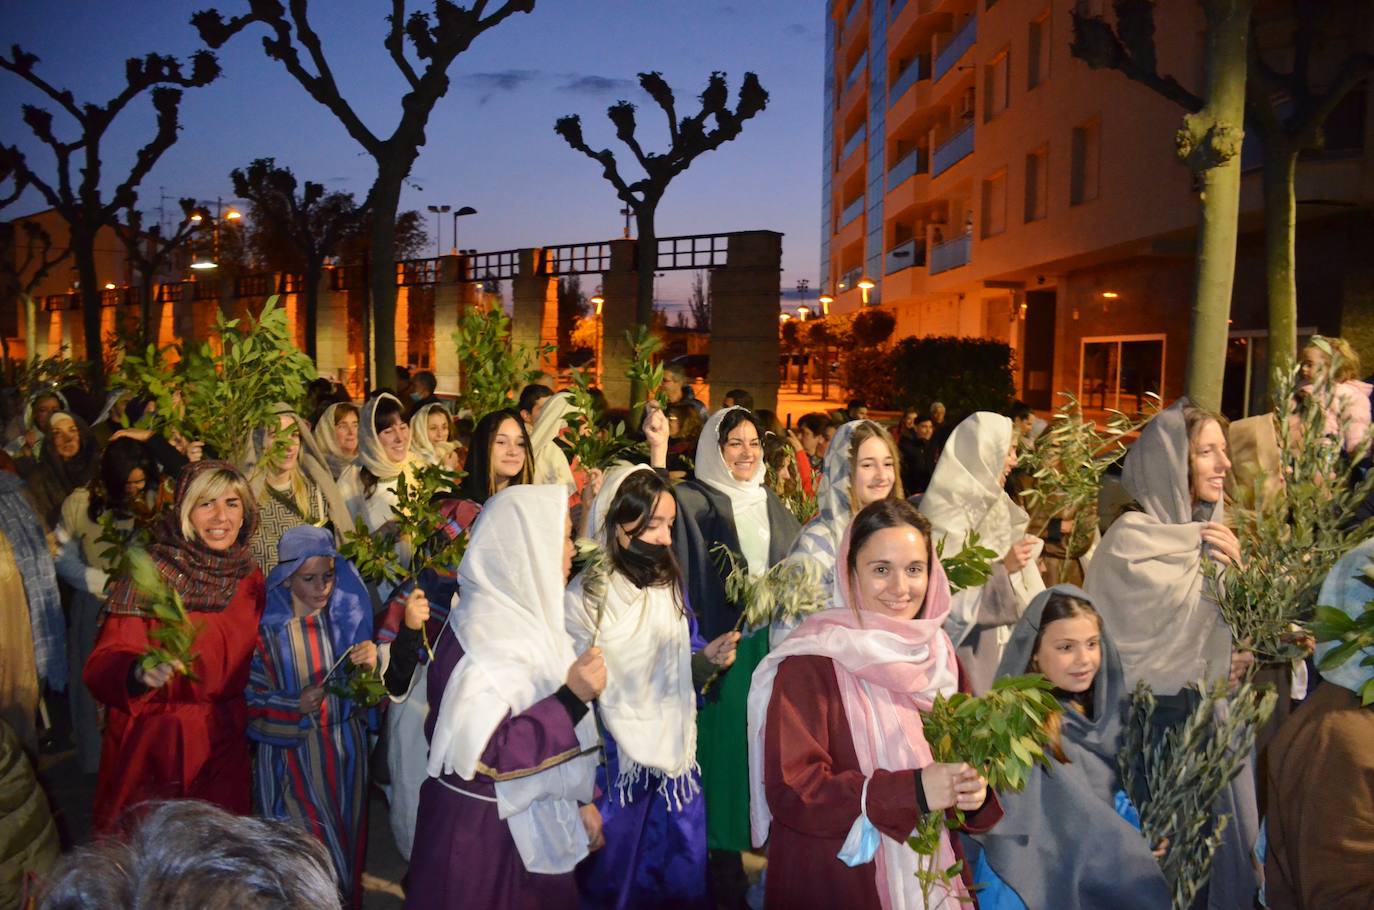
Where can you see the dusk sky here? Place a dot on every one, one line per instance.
(491, 143)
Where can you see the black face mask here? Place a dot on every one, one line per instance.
(645, 557)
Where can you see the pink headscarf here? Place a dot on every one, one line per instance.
(888, 671)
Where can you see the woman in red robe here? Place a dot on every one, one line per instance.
(174, 732)
(840, 771)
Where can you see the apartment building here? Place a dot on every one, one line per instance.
(988, 184)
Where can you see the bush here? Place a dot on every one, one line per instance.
(868, 374)
(873, 327)
(967, 374)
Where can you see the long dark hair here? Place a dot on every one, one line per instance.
(879, 516)
(1063, 606)
(480, 479)
(633, 507)
(120, 459)
(385, 415)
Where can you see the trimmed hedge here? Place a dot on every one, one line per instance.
(967, 374)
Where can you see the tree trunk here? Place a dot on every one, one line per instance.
(1214, 135)
(30, 327)
(310, 304)
(148, 333)
(1280, 231)
(646, 261)
(386, 199)
(83, 251)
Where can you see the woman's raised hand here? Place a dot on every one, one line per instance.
(1223, 541)
(949, 785)
(1019, 555)
(587, 675)
(721, 651)
(417, 610)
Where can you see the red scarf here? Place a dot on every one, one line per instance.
(205, 578)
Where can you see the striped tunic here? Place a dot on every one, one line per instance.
(312, 768)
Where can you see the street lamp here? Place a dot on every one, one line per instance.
(865, 285)
(202, 262)
(825, 300)
(465, 210)
(438, 210)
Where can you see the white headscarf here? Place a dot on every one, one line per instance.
(748, 498)
(419, 434)
(549, 463)
(649, 704)
(328, 443)
(966, 495)
(820, 537)
(516, 651)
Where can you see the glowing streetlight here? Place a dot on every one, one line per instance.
(109, 285)
(1110, 295)
(865, 285)
(825, 300)
(803, 311)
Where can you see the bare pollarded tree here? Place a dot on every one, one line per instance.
(689, 137)
(73, 186)
(435, 39)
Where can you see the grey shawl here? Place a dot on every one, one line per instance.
(1147, 576)
(819, 541)
(1148, 572)
(1060, 842)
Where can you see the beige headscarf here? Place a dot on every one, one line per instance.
(328, 444)
(549, 463)
(419, 434)
(1146, 576)
(309, 462)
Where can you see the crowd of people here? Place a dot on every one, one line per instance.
(619, 738)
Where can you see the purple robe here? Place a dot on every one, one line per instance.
(464, 855)
(655, 857)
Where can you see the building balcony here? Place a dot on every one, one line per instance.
(951, 254)
(850, 212)
(904, 257)
(909, 77)
(852, 144)
(957, 47)
(852, 19)
(854, 74)
(953, 150)
(913, 164)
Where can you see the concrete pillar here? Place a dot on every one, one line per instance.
(452, 298)
(744, 318)
(331, 329)
(535, 305)
(619, 287)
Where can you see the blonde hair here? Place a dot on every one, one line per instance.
(1341, 359)
(865, 431)
(208, 486)
(302, 491)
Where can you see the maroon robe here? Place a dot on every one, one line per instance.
(813, 783)
(464, 855)
(188, 739)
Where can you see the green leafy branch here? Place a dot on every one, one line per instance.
(787, 592)
(971, 567)
(1354, 635)
(643, 373)
(359, 685)
(594, 564)
(57, 371)
(592, 442)
(220, 390)
(1174, 776)
(1068, 461)
(173, 635)
(1003, 734)
(1292, 529)
(492, 366)
(419, 524)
